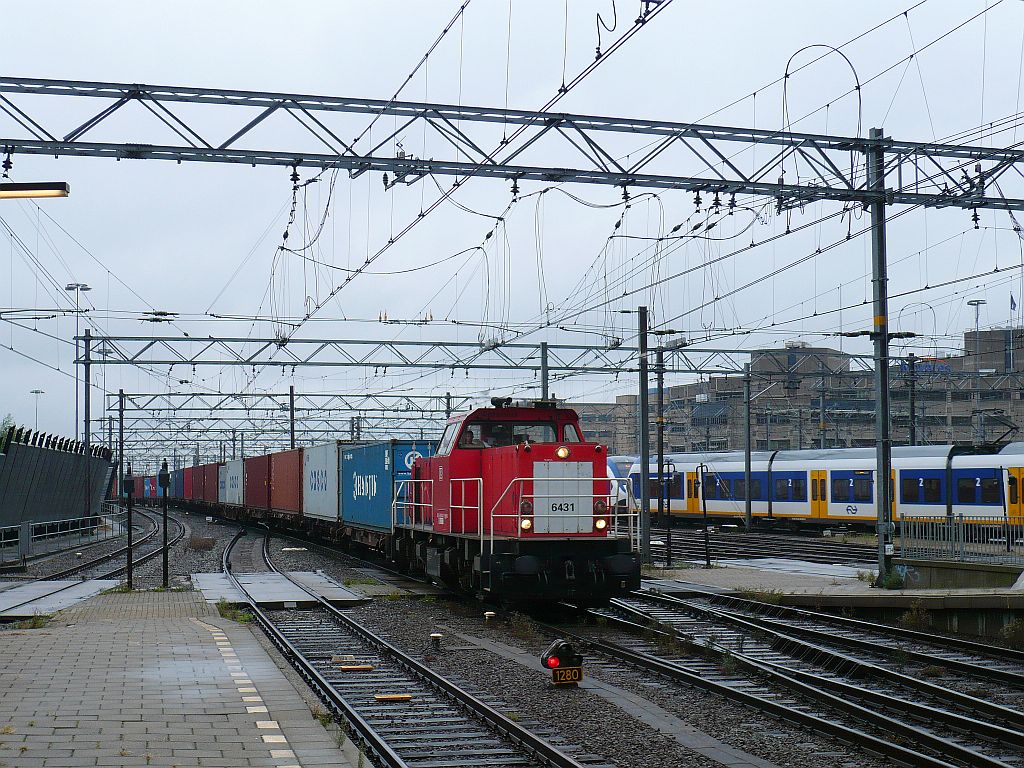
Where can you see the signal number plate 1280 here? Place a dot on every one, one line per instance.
(567, 675)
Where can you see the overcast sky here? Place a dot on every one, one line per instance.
(202, 239)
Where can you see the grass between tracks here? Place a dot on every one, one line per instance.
(231, 612)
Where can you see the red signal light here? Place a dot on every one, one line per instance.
(553, 662)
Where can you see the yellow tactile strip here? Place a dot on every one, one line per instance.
(276, 741)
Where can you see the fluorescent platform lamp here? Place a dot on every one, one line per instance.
(34, 189)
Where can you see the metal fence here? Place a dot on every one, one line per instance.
(31, 539)
(965, 539)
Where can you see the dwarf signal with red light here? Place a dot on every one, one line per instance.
(565, 663)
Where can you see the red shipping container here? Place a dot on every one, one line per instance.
(138, 490)
(286, 481)
(188, 483)
(257, 482)
(211, 482)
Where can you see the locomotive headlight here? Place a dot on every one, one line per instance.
(525, 507)
(526, 523)
(562, 452)
(600, 506)
(600, 523)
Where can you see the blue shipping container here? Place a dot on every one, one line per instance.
(177, 489)
(368, 474)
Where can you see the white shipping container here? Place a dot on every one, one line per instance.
(320, 482)
(233, 492)
(222, 484)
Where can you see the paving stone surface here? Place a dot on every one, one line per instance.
(150, 679)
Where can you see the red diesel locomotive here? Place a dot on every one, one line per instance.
(515, 503)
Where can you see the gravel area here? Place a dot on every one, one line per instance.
(199, 551)
(60, 561)
(580, 715)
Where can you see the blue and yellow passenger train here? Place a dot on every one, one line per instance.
(837, 486)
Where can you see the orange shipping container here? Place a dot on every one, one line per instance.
(286, 481)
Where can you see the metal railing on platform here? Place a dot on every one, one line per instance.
(35, 538)
(963, 539)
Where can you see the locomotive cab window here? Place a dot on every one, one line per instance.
(444, 447)
(570, 434)
(498, 434)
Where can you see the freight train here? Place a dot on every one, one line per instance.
(836, 487)
(511, 503)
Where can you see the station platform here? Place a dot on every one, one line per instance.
(274, 590)
(151, 679)
(23, 600)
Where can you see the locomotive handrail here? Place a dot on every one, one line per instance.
(464, 507)
(398, 499)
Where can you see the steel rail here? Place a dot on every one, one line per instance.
(848, 666)
(769, 625)
(117, 571)
(950, 643)
(362, 730)
(538, 747)
(814, 723)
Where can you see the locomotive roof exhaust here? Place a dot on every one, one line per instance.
(501, 402)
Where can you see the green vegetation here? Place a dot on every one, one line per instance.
(231, 612)
(6, 423)
(522, 627)
(38, 621)
(322, 715)
(892, 580)
(867, 576)
(770, 596)
(119, 589)
(355, 581)
(916, 617)
(201, 543)
(1013, 633)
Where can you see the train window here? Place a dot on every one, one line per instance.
(965, 490)
(710, 487)
(689, 489)
(910, 490)
(862, 489)
(447, 439)
(991, 492)
(675, 487)
(782, 490)
(1012, 482)
(841, 490)
(497, 434)
(755, 489)
(739, 488)
(821, 489)
(799, 489)
(571, 434)
(932, 490)
(814, 490)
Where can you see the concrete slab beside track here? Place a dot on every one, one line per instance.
(151, 679)
(275, 590)
(25, 600)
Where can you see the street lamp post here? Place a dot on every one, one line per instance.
(77, 288)
(37, 393)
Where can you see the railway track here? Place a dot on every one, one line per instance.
(398, 710)
(859, 700)
(688, 544)
(110, 573)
